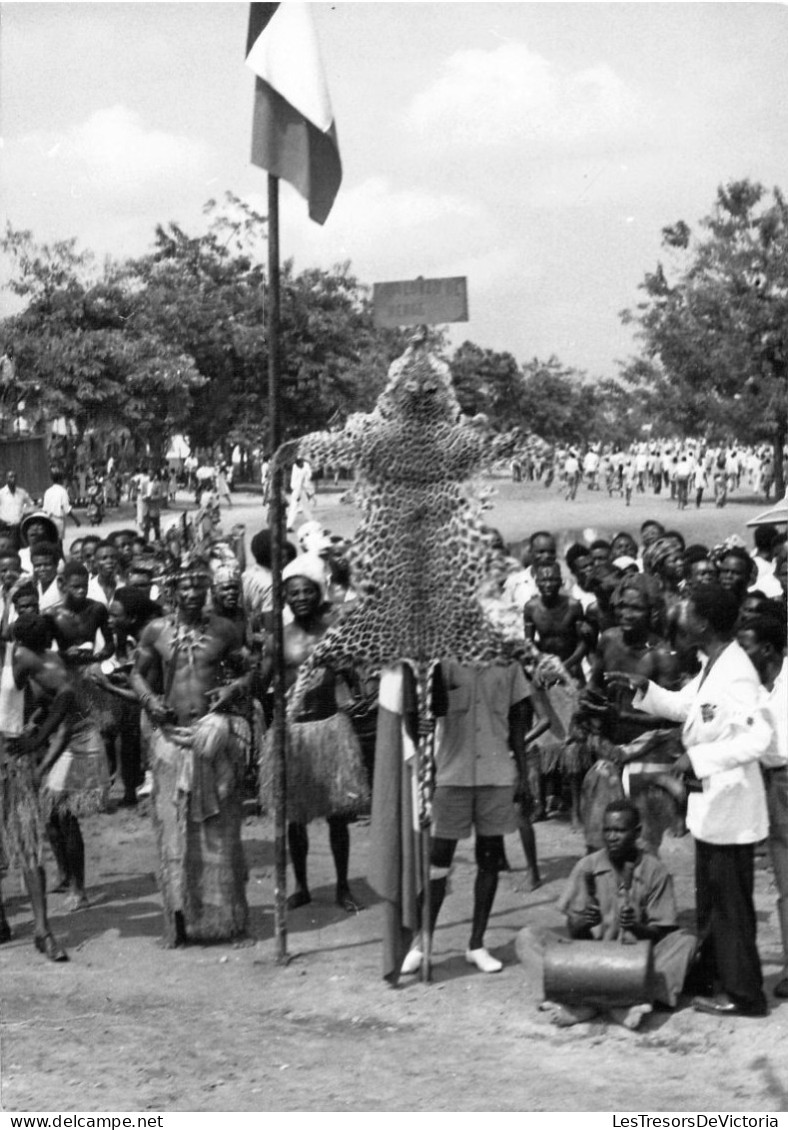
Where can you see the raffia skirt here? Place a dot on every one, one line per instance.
(22, 824)
(78, 782)
(325, 770)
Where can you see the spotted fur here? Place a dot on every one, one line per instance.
(421, 559)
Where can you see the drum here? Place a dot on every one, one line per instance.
(606, 974)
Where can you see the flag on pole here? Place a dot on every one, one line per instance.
(394, 871)
(293, 132)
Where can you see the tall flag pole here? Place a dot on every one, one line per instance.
(294, 139)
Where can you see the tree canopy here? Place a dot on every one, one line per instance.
(82, 352)
(714, 321)
(175, 340)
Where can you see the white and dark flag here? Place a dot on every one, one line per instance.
(294, 136)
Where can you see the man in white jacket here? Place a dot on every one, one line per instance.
(724, 735)
(763, 638)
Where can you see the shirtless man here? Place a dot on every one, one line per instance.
(227, 593)
(56, 716)
(603, 582)
(84, 638)
(23, 765)
(633, 647)
(554, 622)
(305, 596)
(188, 671)
(78, 619)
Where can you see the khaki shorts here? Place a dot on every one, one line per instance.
(488, 809)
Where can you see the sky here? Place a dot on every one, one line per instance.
(537, 149)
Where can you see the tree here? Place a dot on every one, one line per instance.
(556, 403)
(714, 324)
(205, 294)
(82, 354)
(489, 382)
(176, 340)
(202, 295)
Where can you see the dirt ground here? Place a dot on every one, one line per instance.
(128, 1026)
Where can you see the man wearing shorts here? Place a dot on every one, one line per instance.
(479, 751)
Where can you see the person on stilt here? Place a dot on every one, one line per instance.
(479, 751)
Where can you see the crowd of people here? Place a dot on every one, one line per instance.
(691, 473)
(648, 699)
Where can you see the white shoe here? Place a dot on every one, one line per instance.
(412, 962)
(146, 788)
(484, 961)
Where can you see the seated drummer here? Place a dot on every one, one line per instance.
(624, 894)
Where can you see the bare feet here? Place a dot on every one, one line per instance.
(78, 901)
(630, 1017)
(348, 901)
(298, 899)
(566, 1016)
(49, 947)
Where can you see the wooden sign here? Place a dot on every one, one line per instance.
(417, 302)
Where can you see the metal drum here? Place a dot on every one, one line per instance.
(607, 974)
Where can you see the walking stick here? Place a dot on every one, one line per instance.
(424, 763)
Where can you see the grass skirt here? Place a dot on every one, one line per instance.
(104, 708)
(22, 825)
(583, 750)
(78, 782)
(197, 812)
(601, 785)
(557, 703)
(325, 770)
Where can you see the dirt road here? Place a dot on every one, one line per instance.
(127, 1025)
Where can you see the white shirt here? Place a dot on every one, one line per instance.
(519, 587)
(49, 598)
(766, 582)
(725, 733)
(591, 461)
(301, 479)
(56, 502)
(96, 592)
(13, 504)
(586, 598)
